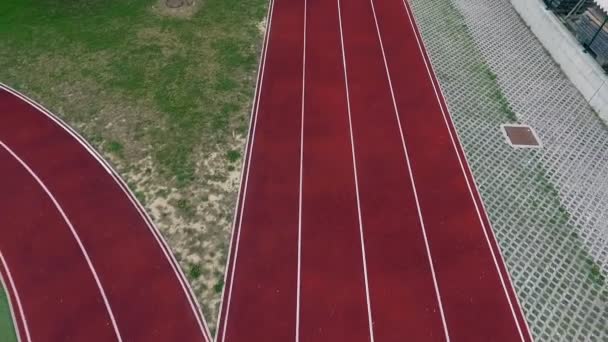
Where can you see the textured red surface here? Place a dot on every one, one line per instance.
(473, 297)
(404, 304)
(333, 302)
(56, 288)
(46, 264)
(262, 292)
(261, 296)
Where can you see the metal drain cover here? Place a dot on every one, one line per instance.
(521, 136)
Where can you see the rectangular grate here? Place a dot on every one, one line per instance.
(521, 136)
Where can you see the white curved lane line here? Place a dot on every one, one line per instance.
(74, 234)
(122, 185)
(19, 306)
(432, 77)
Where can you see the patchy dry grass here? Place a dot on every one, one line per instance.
(163, 93)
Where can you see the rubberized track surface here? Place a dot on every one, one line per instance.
(79, 257)
(358, 217)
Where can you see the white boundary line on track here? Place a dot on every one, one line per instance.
(74, 234)
(243, 166)
(153, 229)
(431, 74)
(299, 276)
(411, 176)
(19, 306)
(249, 147)
(359, 215)
(245, 162)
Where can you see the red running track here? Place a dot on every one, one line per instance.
(358, 217)
(80, 259)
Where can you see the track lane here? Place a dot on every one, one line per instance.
(260, 298)
(111, 227)
(470, 179)
(333, 286)
(404, 302)
(477, 302)
(28, 222)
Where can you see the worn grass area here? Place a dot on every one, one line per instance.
(163, 93)
(7, 330)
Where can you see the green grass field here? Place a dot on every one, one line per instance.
(7, 330)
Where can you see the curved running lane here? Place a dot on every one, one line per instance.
(80, 258)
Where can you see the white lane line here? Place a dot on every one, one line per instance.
(19, 306)
(431, 74)
(299, 276)
(245, 165)
(411, 174)
(129, 194)
(370, 320)
(244, 187)
(74, 234)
